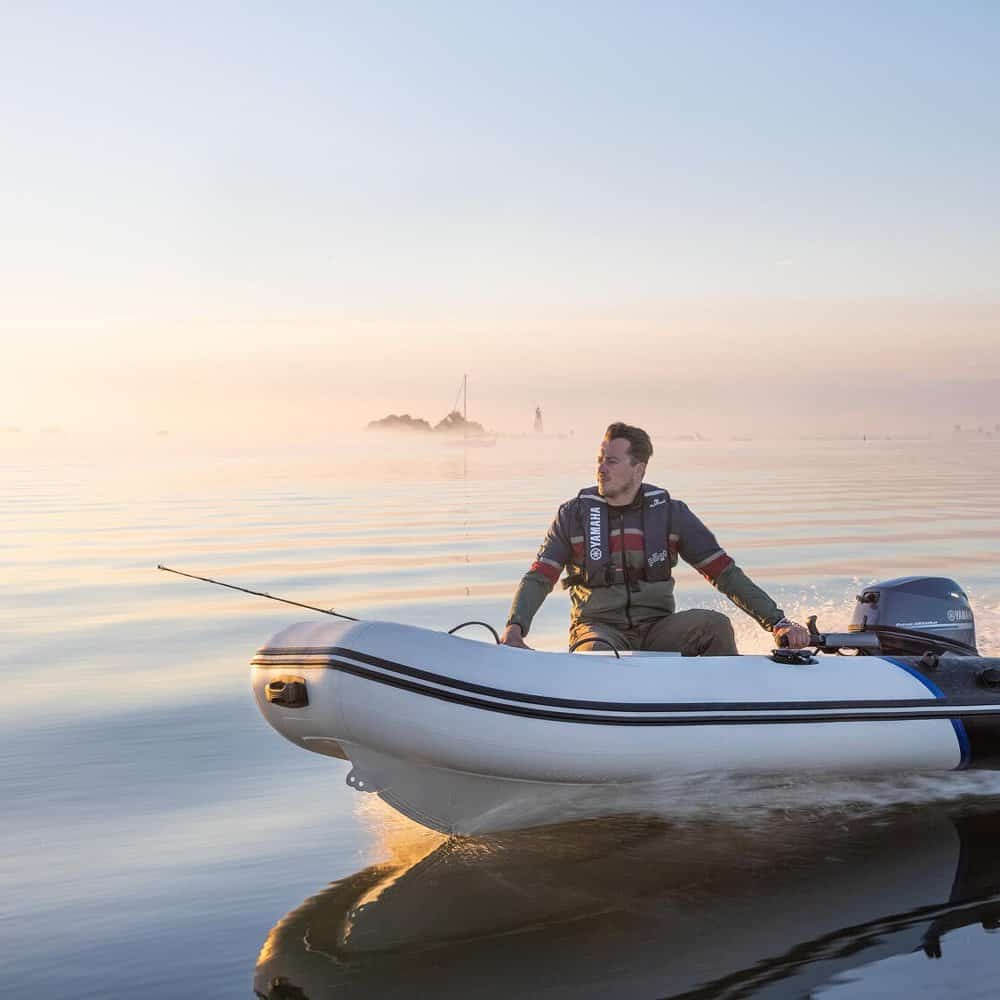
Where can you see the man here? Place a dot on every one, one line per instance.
(620, 540)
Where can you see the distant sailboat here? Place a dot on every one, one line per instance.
(473, 434)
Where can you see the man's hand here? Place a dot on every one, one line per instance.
(512, 636)
(795, 635)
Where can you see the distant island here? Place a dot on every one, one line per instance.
(453, 423)
(402, 422)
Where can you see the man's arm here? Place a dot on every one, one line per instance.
(538, 582)
(698, 546)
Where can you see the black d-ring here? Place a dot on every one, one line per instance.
(452, 631)
(580, 642)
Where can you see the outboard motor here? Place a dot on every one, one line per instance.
(912, 615)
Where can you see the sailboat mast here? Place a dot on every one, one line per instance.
(465, 397)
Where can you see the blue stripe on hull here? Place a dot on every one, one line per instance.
(960, 734)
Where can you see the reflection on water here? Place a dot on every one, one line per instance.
(642, 907)
(154, 827)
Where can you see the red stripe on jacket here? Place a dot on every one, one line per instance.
(711, 570)
(550, 572)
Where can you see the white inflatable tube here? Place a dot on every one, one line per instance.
(470, 737)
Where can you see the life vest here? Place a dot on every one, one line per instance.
(592, 510)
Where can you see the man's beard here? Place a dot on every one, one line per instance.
(614, 493)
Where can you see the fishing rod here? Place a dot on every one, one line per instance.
(299, 604)
(256, 593)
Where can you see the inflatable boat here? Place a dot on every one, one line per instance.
(469, 737)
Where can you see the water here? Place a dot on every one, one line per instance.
(158, 839)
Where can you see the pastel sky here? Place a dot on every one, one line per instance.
(713, 216)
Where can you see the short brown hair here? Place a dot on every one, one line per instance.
(640, 448)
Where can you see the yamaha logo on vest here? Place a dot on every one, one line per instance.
(657, 502)
(595, 534)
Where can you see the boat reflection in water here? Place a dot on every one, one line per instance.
(640, 907)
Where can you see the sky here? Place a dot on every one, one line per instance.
(723, 218)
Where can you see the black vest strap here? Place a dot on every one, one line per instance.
(592, 509)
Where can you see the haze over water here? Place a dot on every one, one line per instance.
(156, 831)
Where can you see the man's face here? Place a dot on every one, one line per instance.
(617, 477)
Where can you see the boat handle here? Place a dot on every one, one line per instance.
(580, 642)
(289, 692)
(452, 631)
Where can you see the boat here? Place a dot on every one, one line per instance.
(469, 737)
(473, 434)
(779, 907)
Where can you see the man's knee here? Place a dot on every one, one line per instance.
(696, 632)
(717, 635)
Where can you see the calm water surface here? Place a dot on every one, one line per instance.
(159, 840)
